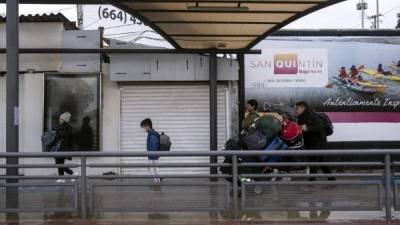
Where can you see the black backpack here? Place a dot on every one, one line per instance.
(165, 142)
(327, 123)
(254, 139)
(233, 144)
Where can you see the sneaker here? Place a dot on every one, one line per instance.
(74, 174)
(60, 181)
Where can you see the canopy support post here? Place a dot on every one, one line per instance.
(12, 108)
(241, 92)
(213, 109)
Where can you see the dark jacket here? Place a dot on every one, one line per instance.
(65, 137)
(153, 142)
(314, 137)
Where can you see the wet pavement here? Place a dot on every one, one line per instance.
(369, 222)
(106, 197)
(251, 218)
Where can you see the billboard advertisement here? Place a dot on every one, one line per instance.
(354, 80)
(280, 68)
(118, 24)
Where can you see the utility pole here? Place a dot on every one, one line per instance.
(362, 6)
(376, 18)
(79, 15)
(377, 14)
(398, 21)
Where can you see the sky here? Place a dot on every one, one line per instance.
(342, 15)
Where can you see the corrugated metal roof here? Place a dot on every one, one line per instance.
(45, 18)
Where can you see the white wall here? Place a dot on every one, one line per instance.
(30, 97)
(36, 35)
(88, 63)
(31, 118)
(366, 132)
(110, 115)
(2, 118)
(166, 67)
(31, 113)
(2, 113)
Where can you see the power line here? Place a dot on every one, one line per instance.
(384, 14)
(390, 10)
(133, 32)
(118, 26)
(148, 38)
(120, 37)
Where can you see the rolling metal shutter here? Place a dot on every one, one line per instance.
(181, 111)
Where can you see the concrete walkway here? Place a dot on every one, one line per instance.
(360, 222)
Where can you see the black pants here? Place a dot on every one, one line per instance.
(314, 169)
(64, 169)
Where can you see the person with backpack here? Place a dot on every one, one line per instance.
(63, 142)
(251, 107)
(314, 134)
(153, 144)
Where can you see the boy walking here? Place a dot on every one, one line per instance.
(153, 144)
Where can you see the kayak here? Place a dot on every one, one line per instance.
(394, 66)
(356, 88)
(374, 73)
(378, 87)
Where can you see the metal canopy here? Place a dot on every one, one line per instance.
(212, 24)
(219, 24)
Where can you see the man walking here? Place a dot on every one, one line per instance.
(314, 134)
(153, 144)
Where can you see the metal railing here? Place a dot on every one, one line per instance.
(258, 191)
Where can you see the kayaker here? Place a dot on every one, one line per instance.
(354, 72)
(382, 71)
(343, 74)
(354, 75)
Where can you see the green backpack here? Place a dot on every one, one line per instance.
(269, 125)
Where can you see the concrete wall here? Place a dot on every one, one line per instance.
(53, 35)
(31, 113)
(166, 67)
(2, 117)
(36, 35)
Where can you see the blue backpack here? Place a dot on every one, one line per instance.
(275, 144)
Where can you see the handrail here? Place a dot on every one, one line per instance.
(12, 180)
(202, 153)
(39, 166)
(302, 164)
(170, 165)
(347, 175)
